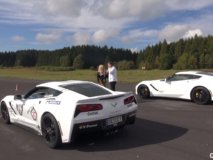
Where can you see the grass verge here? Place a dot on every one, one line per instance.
(132, 76)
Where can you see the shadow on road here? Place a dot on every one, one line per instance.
(173, 100)
(144, 132)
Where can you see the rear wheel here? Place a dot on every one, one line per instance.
(200, 95)
(50, 131)
(5, 113)
(143, 91)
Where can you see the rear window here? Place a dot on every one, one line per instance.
(87, 89)
(205, 73)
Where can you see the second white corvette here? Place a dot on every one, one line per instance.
(192, 85)
(60, 110)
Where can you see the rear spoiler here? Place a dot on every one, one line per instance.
(105, 97)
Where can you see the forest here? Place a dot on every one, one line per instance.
(193, 53)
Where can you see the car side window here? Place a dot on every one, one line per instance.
(42, 92)
(181, 77)
(36, 93)
(51, 93)
(178, 77)
(193, 76)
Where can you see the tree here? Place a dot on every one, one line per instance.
(186, 61)
(26, 58)
(179, 48)
(125, 65)
(65, 61)
(166, 59)
(162, 55)
(78, 62)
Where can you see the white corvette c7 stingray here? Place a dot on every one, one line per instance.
(60, 110)
(191, 85)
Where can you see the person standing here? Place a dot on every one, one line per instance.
(101, 75)
(112, 75)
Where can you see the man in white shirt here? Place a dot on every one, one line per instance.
(112, 75)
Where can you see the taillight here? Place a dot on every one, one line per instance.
(87, 108)
(129, 100)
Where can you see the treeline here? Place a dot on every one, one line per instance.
(192, 53)
(78, 57)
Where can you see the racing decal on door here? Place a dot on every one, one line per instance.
(19, 108)
(33, 113)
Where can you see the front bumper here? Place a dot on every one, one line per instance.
(100, 125)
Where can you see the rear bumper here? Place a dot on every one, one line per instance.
(100, 125)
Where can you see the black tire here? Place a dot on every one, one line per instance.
(50, 131)
(5, 113)
(200, 95)
(143, 91)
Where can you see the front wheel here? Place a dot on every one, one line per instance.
(200, 95)
(5, 113)
(143, 91)
(50, 131)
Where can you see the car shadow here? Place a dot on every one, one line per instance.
(151, 99)
(143, 132)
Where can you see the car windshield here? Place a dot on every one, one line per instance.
(87, 89)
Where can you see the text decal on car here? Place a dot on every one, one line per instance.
(53, 102)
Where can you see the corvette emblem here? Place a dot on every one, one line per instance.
(114, 104)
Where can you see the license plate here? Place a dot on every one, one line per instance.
(114, 120)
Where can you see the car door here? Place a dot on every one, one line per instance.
(34, 100)
(17, 107)
(177, 85)
(159, 87)
(31, 106)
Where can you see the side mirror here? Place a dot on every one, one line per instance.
(18, 97)
(168, 79)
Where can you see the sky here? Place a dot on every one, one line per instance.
(128, 24)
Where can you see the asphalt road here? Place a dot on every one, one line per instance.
(164, 130)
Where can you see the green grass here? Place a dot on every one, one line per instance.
(123, 76)
(38, 74)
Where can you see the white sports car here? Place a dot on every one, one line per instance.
(60, 110)
(192, 85)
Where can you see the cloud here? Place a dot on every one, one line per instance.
(103, 35)
(176, 31)
(134, 50)
(98, 36)
(173, 32)
(188, 4)
(65, 8)
(192, 33)
(139, 35)
(119, 9)
(204, 23)
(72, 13)
(81, 38)
(18, 38)
(48, 38)
(146, 9)
(93, 14)
(99, 21)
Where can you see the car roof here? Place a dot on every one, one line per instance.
(54, 84)
(202, 73)
(187, 72)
